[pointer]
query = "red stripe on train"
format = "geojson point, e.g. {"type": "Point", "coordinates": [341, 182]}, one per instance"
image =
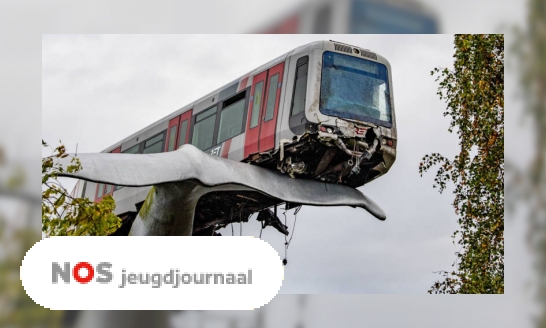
{"type": "Point", "coordinates": [243, 83]}
{"type": "Point", "coordinates": [225, 149]}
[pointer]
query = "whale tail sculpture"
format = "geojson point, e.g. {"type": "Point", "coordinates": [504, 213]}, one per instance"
{"type": "Point", "coordinates": [194, 193]}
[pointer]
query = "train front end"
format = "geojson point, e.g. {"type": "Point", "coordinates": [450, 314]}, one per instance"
{"type": "Point", "coordinates": [351, 116]}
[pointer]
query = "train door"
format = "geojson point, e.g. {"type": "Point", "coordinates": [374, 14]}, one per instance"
{"type": "Point", "coordinates": [184, 130]}
{"type": "Point", "coordinates": [178, 131]}
{"type": "Point", "coordinates": [172, 134]}
{"type": "Point", "coordinates": [255, 113]}
{"type": "Point", "coordinates": [271, 108]}
{"type": "Point", "coordinates": [263, 110]}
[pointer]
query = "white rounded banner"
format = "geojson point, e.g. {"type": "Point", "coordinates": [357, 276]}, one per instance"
{"type": "Point", "coordinates": [152, 273]}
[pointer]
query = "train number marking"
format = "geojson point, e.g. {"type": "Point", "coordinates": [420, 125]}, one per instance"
{"type": "Point", "coordinates": [360, 131]}
{"type": "Point", "coordinates": [216, 151]}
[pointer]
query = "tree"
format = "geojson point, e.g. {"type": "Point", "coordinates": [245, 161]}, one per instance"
{"type": "Point", "coordinates": [527, 182]}
{"type": "Point", "coordinates": [474, 92]}
{"type": "Point", "coordinates": [64, 215]}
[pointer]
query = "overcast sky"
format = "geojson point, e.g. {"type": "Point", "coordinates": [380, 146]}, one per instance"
{"type": "Point", "coordinates": [23, 25]}
{"type": "Point", "coordinates": [98, 89]}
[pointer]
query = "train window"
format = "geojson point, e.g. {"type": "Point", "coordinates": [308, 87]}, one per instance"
{"type": "Point", "coordinates": [132, 150]}
{"type": "Point", "coordinates": [389, 17]}
{"type": "Point", "coordinates": [271, 97]}
{"type": "Point", "coordinates": [256, 105]}
{"type": "Point", "coordinates": [231, 120]}
{"type": "Point", "coordinates": [205, 114]}
{"type": "Point", "coordinates": [342, 77]}
{"type": "Point", "coordinates": [108, 189]}
{"type": "Point", "coordinates": [100, 190]}
{"type": "Point", "coordinates": [172, 138]}
{"type": "Point", "coordinates": [154, 144]}
{"type": "Point", "coordinates": [203, 129]}
{"type": "Point", "coordinates": [84, 189]}
{"type": "Point", "coordinates": [300, 87]}
{"type": "Point", "coordinates": [183, 133]}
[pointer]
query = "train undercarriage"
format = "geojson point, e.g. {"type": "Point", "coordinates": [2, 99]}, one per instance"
{"type": "Point", "coordinates": [323, 153]}
{"type": "Point", "coordinates": [328, 154]}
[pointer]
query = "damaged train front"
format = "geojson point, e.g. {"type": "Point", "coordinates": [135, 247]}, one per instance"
{"type": "Point", "coordinates": [350, 135]}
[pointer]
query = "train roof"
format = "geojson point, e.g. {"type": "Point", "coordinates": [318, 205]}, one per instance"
{"type": "Point", "coordinates": [315, 44]}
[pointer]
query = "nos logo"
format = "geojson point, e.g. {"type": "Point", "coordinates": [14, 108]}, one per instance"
{"type": "Point", "coordinates": [83, 272]}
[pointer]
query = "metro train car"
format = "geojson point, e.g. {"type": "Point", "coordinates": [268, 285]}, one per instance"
{"type": "Point", "coordinates": [356, 17]}
{"type": "Point", "coordinates": [322, 111]}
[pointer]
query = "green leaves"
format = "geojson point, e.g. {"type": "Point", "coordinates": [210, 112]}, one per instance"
{"type": "Point", "coordinates": [64, 215]}
{"type": "Point", "coordinates": [526, 182]}
{"type": "Point", "coordinates": [474, 93]}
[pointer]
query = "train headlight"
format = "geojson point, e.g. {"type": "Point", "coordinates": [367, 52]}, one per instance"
{"type": "Point", "coordinates": [387, 142]}
{"type": "Point", "coordinates": [325, 129]}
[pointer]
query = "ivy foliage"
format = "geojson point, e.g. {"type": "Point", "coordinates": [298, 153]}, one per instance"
{"type": "Point", "coordinates": [474, 93]}
{"type": "Point", "coordinates": [64, 215]}
{"type": "Point", "coordinates": [527, 183]}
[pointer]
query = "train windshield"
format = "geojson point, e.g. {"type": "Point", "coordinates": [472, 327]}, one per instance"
{"type": "Point", "coordinates": [355, 88]}
{"type": "Point", "coordinates": [371, 16]}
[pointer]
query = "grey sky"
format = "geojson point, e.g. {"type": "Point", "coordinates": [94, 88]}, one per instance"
{"type": "Point", "coordinates": [98, 89]}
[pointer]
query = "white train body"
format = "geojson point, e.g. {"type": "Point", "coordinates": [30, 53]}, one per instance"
{"type": "Point", "coordinates": [323, 111]}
